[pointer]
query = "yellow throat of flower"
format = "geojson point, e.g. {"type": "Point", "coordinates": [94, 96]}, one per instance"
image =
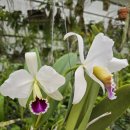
{"type": "Point", "coordinates": [36, 91]}
{"type": "Point", "coordinates": [102, 74]}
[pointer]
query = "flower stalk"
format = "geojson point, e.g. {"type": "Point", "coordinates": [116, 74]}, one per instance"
{"type": "Point", "coordinates": [37, 121]}
{"type": "Point", "coordinates": [92, 95]}
{"type": "Point", "coordinates": [77, 110]}
{"type": "Point", "coordinates": [74, 115]}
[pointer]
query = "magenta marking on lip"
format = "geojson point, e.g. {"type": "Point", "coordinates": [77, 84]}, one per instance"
{"type": "Point", "coordinates": [39, 106]}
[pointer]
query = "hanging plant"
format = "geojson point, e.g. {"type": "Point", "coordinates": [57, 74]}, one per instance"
{"type": "Point", "coordinates": [123, 13]}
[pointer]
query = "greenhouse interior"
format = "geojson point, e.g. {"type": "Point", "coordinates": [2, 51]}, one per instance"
{"type": "Point", "coordinates": [64, 65]}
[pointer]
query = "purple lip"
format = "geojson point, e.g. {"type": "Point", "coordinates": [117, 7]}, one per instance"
{"type": "Point", "coordinates": [39, 106]}
{"type": "Point", "coordinates": [111, 91]}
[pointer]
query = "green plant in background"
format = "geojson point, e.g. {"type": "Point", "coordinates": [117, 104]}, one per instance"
{"type": "Point", "coordinates": [99, 65]}
{"type": "Point", "coordinates": [34, 31]}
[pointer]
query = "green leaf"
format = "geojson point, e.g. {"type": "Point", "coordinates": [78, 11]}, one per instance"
{"type": "Point", "coordinates": [15, 127]}
{"type": "Point", "coordinates": [80, 113]}
{"type": "Point", "coordinates": [1, 108]}
{"type": "Point", "coordinates": [95, 29]}
{"type": "Point", "coordinates": [89, 104]}
{"type": "Point", "coordinates": [65, 62]}
{"type": "Point", "coordinates": [74, 115]}
{"type": "Point", "coordinates": [116, 107]}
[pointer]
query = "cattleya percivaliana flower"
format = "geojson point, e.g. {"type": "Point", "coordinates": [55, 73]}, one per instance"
{"type": "Point", "coordinates": [22, 83]}
{"type": "Point", "coordinates": [99, 65]}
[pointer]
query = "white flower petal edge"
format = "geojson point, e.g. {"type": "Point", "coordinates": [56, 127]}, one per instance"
{"type": "Point", "coordinates": [100, 52]}
{"type": "Point", "coordinates": [80, 85]}
{"type": "Point", "coordinates": [117, 64]}
{"type": "Point", "coordinates": [99, 82]}
{"type": "Point", "coordinates": [32, 63]}
{"type": "Point", "coordinates": [23, 101]}
{"type": "Point", "coordinates": [56, 95]}
{"type": "Point", "coordinates": [80, 44]}
{"type": "Point", "coordinates": [49, 79]}
{"type": "Point", "coordinates": [18, 85]}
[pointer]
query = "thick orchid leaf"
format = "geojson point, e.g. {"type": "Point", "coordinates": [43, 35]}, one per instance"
{"type": "Point", "coordinates": [88, 106]}
{"type": "Point", "coordinates": [116, 107]}
{"type": "Point", "coordinates": [62, 65]}
{"type": "Point", "coordinates": [78, 111]}
{"type": "Point", "coordinates": [65, 62]}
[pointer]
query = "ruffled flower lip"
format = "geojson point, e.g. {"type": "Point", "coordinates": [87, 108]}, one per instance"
{"type": "Point", "coordinates": [111, 90]}
{"type": "Point", "coordinates": [39, 106]}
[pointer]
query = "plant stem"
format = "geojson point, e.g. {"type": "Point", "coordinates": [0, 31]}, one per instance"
{"type": "Point", "coordinates": [38, 119]}
{"type": "Point", "coordinates": [76, 110]}
{"type": "Point", "coordinates": [91, 100]}
{"type": "Point", "coordinates": [21, 112]}
{"type": "Point", "coordinates": [74, 114]}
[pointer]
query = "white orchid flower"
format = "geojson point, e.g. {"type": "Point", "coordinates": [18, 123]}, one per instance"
{"type": "Point", "coordinates": [22, 83]}
{"type": "Point", "coordinates": [99, 64]}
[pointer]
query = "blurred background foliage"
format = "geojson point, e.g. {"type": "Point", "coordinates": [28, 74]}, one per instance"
{"type": "Point", "coordinates": [43, 30]}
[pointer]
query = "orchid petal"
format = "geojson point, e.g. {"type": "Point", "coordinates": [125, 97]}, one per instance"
{"type": "Point", "coordinates": [56, 95]}
{"type": "Point", "coordinates": [117, 64]}
{"type": "Point", "coordinates": [95, 79]}
{"type": "Point", "coordinates": [23, 101]}
{"type": "Point", "coordinates": [111, 91]}
{"type": "Point", "coordinates": [100, 52]}
{"type": "Point", "coordinates": [18, 85]}
{"type": "Point", "coordinates": [99, 82]}
{"type": "Point", "coordinates": [49, 79]}
{"type": "Point", "coordinates": [32, 63]}
{"type": "Point", "coordinates": [80, 44]}
{"type": "Point", "coordinates": [80, 85]}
